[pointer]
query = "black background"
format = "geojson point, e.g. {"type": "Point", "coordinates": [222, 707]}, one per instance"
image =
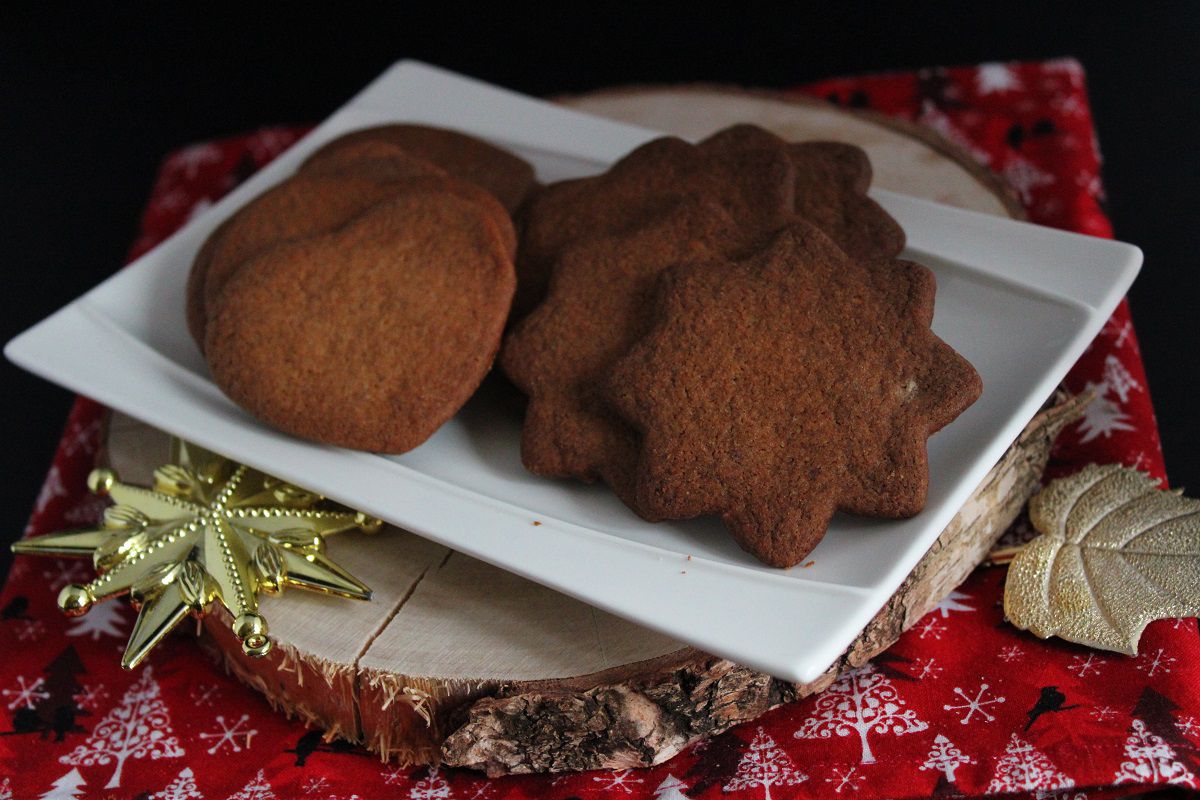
{"type": "Point", "coordinates": [94, 95]}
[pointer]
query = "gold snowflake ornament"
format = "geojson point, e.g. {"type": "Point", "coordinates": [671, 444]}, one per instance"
{"type": "Point", "coordinates": [210, 529]}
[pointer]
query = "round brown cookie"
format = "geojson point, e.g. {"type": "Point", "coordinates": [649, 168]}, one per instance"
{"type": "Point", "coordinates": [755, 186]}
{"type": "Point", "coordinates": [777, 389]}
{"type": "Point", "coordinates": [599, 304]}
{"type": "Point", "coordinates": [385, 162]}
{"type": "Point", "coordinates": [508, 177]}
{"type": "Point", "coordinates": [374, 159]}
{"type": "Point", "coordinates": [194, 307]}
{"type": "Point", "coordinates": [370, 336]}
{"type": "Point", "coordinates": [299, 207]}
{"type": "Point", "coordinates": [832, 179]}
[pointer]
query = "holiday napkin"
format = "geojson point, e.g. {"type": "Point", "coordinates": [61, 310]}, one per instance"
{"type": "Point", "coordinates": [962, 705]}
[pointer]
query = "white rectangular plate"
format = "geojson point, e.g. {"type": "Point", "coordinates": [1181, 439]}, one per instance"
{"type": "Point", "coordinates": [1020, 301]}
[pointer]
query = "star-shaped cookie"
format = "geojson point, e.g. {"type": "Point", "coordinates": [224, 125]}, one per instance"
{"type": "Point", "coordinates": [780, 388]}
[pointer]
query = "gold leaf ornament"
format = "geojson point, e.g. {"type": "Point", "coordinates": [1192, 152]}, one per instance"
{"type": "Point", "coordinates": [209, 529]}
{"type": "Point", "coordinates": [1116, 553]}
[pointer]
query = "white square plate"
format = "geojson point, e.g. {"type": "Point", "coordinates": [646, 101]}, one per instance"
{"type": "Point", "coordinates": [1020, 301]}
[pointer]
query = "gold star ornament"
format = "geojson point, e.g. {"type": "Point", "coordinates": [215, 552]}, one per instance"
{"type": "Point", "coordinates": [209, 529]}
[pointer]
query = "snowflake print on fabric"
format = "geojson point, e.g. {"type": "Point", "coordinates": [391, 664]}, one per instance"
{"type": "Point", "coordinates": [1086, 665]}
{"type": "Point", "coordinates": [945, 757]}
{"type": "Point", "coordinates": [927, 668]}
{"type": "Point", "coordinates": [394, 775]}
{"type": "Point", "coordinates": [25, 694]}
{"type": "Point", "coordinates": [622, 779]}
{"type": "Point", "coordinates": [1023, 768]}
{"type": "Point", "coordinates": [951, 603]}
{"type": "Point", "coordinates": [862, 701]}
{"type": "Point", "coordinates": [994, 77]}
{"type": "Point", "coordinates": [432, 787]}
{"type": "Point", "coordinates": [931, 628]}
{"type": "Point", "coordinates": [236, 735]}
{"type": "Point", "coordinates": [91, 696]}
{"type": "Point", "coordinates": [140, 727]}
{"type": "Point", "coordinates": [971, 705]}
{"type": "Point", "coordinates": [1104, 713]}
{"type": "Point", "coordinates": [203, 694]}
{"type": "Point", "coordinates": [845, 779]}
{"type": "Point", "coordinates": [29, 630]}
{"type": "Point", "coordinates": [86, 511]}
{"type": "Point", "coordinates": [1157, 663]}
{"type": "Point", "coordinates": [315, 785]}
{"type": "Point", "coordinates": [59, 573]}
{"type": "Point", "coordinates": [82, 439]}
{"type": "Point", "coordinates": [1188, 726]}
{"type": "Point", "coordinates": [267, 143]}
{"type": "Point", "coordinates": [1010, 653]}
{"type": "Point", "coordinates": [1119, 332]}
{"type": "Point", "coordinates": [1151, 760]}
{"type": "Point", "coordinates": [764, 764]}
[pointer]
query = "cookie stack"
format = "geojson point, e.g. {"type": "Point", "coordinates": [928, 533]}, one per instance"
{"type": "Point", "coordinates": [724, 328]}
{"type": "Point", "coordinates": [361, 302]}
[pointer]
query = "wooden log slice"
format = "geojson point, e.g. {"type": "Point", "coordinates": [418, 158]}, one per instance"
{"type": "Point", "coordinates": [459, 662]}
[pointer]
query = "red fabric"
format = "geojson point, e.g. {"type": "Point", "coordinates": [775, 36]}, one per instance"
{"type": "Point", "coordinates": [1049, 718]}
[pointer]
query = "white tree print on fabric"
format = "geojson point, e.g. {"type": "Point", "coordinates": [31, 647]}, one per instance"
{"type": "Point", "coordinates": [946, 758]}
{"type": "Point", "coordinates": [192, 158]}
{"type": "Point", "coordinates": [1024, 177]}
{"type": "Point", "coordinates": [935, 118]}
{"type": "Point", "coordinates": [103, 619]}
{"type": "Point", "coordinates": [51, 489]}
{"type": "Point", "coordinates": [1101, 417]}
{"type": "Point", "coordinates": [432, 787]}
{"type": "Point", "coordinates": [182, 788]}
{"type": "Point", "coordinates": [671, 789]}
{"type": "Point", "coordinates": [764, 764]}
{"type": "Point", "coordinates": [139, 727]}
{"type": "Point", "coordinates": [6, 789]}
{"type": "Point", "coordinates": [1118, 379]}
{"type": "Point", "coordinates": [256, 789]}
{"type": "Point", "coordinates": [971, 705]}
{"type": "Point", "coordinates": [1151, 760]}
{"type": "Point", "coordinates": [861, 701]}
{"type": "Point", "coordinates": [995, 77]}
{"type": "Point", "coordinates": [1023, 768]}
{"type": "Point", "coordinates": [68, 787]}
